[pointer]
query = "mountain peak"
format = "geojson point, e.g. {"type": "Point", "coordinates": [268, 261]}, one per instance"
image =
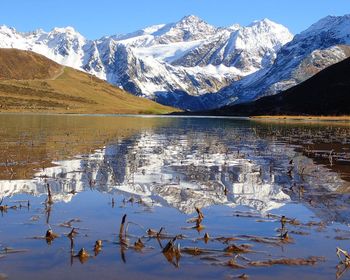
{"type": "Point", "coordinates": [5, 28]}
{"type": "Point", "coordinates": [267, 21]}
{"type": "Point", "coordinates": [67, 29]}
{"type": "Point", "coordinates": [189, 28]}
{"type": "Point", "coordinates": [339, 23]}
{"type": "Point", "coordinates": [191, 19]}
{"type": "Point", "coordinates": [234, 27]}
{"type": "Point", "coordinates": [66, 32]}
{"type": "Point", "coordinates": [264, 22]}
{"type": "Point", "coordinates": [192, 22]}
{"type": "Point", "coordinates": [267, 26]}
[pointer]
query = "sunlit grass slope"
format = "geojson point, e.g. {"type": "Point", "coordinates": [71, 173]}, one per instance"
{"type": "Point", "coordinates": [30, 82]}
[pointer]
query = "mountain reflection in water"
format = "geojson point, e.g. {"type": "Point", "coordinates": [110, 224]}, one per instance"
{"type": "Point", "coordinates": [187, 167]}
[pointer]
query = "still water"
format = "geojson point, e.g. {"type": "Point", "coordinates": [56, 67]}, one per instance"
{"type": "Point", "coordinates": [61, 172]}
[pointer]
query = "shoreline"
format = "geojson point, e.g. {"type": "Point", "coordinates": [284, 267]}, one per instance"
{"type": "Point", "coordinates": [344, 118]}
{"type": "Point", "coordinates": [124, 115]}
{"type": "Point", "coordinates": [276, 118]}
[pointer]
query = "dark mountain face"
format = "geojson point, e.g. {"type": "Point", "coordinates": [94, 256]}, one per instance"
{"type": "Point", "coordinates": [326, 93]}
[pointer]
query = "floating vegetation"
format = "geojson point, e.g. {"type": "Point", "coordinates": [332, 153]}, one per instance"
{"type": "Point", "coordinates": [8, 250]}
{"type": "Point", "coordinates": [197, 220]}
{"type": "Point", "coordinates": [299, 261]}
{"type": "Point", "coordinates": [195, 251]}
{"type": "Point", "coordinates": [50, 236]}
{"type": "Point", "coordinates": [233, 264]}
{"type": "Point", "coordinates": [97, 247]}
{"type": "Point", "coordinates": [344, 262]}
{"type": "Point", "coordinates": [172, 252]}
{"type": "Point", "coordinates": [18, 205]}
{"type": "Point", "coordinates": [69, 224]}
{"type": "Point", "coordinates": [83, 255]}
{"type": "Point", "coordinates": [139, 245]}
{"type": "Point", "coordinates": [238, 249]}
{"type": "Point", "coordinates": [72, 233]}
{"type": "Point", "coordinates": [343, 256]}
{"type": "Point", "coordinates": [241, 276]}
{"type": "Point", "coordinates": [122, 225]}
{"type": "Point", "coordinates": [206, 237]}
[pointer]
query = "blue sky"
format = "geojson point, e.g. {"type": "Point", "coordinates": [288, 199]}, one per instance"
{"type": "Point", "coordinates": [106, 17]}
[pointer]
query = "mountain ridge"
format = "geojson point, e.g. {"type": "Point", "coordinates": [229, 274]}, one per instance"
{"type": "Point", "coordinates": [193, 65]}
{"type": "Point", "coordinates": [330, 34]}
{"type": "Point", "coordinates": [188, 56]}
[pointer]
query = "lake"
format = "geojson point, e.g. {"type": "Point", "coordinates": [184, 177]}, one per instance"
{"type": "Point", "coordinates": [204, 198]}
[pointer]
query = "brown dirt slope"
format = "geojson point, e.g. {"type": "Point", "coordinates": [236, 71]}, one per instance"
{"type": "Point", "coordinates": [33, 83]}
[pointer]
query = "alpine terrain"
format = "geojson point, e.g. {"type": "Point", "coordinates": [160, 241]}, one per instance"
{"type": "Point", "coordinates": [171, 63]}
{"type": "Point", "coordinates": [323, 44]}
{"type": "Point", "coordinates": [326, 93]}
{"type": "Point", "coordinates": [193, 65]}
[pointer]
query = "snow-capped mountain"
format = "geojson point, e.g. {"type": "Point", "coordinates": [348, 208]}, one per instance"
{"type": "Point", "coordinates": [193, 65]}
{"type": "Point", "coordinates": [172, 63]}
{"type": "Point", "coordinates": [63, 45]}
{"type": "Point", "coordinates": [321, 45]}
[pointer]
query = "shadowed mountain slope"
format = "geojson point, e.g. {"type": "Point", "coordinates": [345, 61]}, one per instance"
{"type": "Point", "coordinates": [326, 93]}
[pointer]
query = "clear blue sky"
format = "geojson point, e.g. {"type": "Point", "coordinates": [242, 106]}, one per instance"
{"type": "Point", "coordinates": [106, 17]}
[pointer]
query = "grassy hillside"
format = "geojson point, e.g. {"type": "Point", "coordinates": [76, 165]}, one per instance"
{"type": "Point", "coordinates": [327, 93]}
{"type": "Point", "coordinates": [30, 82]}
{"type": "Point", "coordinates": [25, 65]}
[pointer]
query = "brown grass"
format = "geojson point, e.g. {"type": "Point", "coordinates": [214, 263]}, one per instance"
{"type": "Point", "coordinates": [26, 65]}
{"type": "Point", "coordinates": [302, 118]}
{"type": "Point", "coordinates": [32, 83]}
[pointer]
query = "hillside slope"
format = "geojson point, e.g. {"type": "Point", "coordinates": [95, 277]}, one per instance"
{"type": "Point", "coordinates": [31, 82]}
{"type": "Point", "coordinates": [326, 93]}
{"type": "Point", "coordinates": [26, 65]}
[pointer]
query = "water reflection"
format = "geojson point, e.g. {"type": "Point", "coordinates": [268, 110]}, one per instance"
{"type": "Point", "coordinates": [185, 166]}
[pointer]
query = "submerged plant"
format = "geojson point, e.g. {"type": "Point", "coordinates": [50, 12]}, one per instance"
{"type": "Point", "coordinates": [83, 255]}
{"type": "Point", "coordinates": [139, 244]}
{"type": "Point", "coordinates": [72, 233]}
{"type": "Point", "coordinates": [50, 236]}
{"type": "Point", "coordinates": [238, 249]}
{"type": "Point", "coordinates": [97, 247]}
{"type": "Point", "coordinates": [122, 225]}
{"type": "Point", "coordinates": [343, 256]}
{"type": "Point", "coordinates": [233, 264]}
{"type": "Point", "coordinates": [206, 237]}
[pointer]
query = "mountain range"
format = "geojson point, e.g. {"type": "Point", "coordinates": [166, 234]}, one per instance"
{"type": "Point", "coordinates": [193, 65]}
